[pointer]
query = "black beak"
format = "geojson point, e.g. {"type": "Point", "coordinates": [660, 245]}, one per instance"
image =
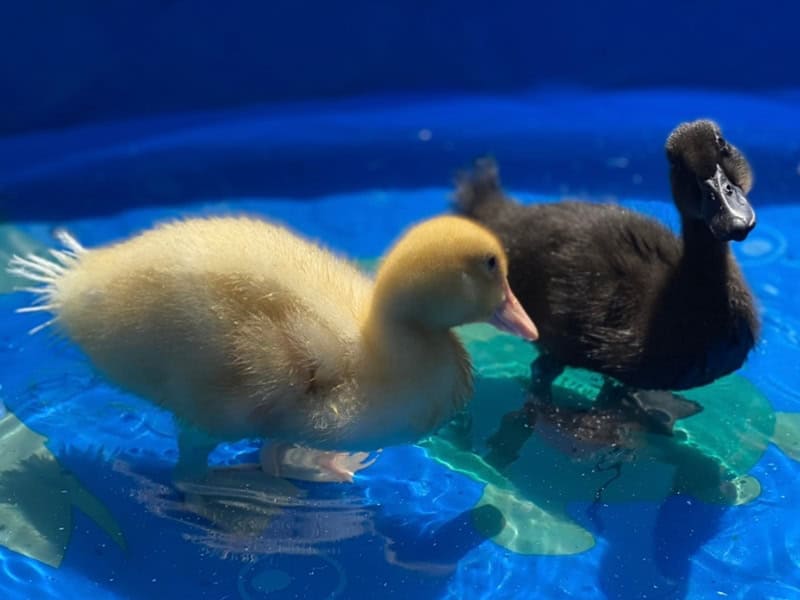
{"type": "Point", "coordinates": [726, 210]}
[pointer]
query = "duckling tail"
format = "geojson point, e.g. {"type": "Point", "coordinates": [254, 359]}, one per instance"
{"type": "Point", "coordinates": [45, 273]}
{"type": "Point", "coordinates": [476, 190]}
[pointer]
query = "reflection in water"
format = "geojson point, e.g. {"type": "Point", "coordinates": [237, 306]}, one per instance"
{"type": "Point", "coordinates": [565, 487]}
{"type": "Point", "coordinates": [606, 429]}
{"type": "Point", "coordinates": [559, 466]}
{"type": "Point", "coordinates": [437, 550]}
{"type": "Point", "coordinates": [245, 513]}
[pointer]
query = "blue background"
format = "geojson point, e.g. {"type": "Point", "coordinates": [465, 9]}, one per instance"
{"type": "Point", "coordinates": [63, 63]}
{"type": "Point", "coordinates": [112, 105]}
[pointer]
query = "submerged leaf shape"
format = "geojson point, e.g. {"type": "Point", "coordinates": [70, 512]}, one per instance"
{"type": "Point", "coordinates": [37, 495]}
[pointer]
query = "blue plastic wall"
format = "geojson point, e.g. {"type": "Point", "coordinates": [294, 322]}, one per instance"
{"type": "Point", "coordinates": [114, 104]}
{"type": "Point", "coordinates": [66, 62]}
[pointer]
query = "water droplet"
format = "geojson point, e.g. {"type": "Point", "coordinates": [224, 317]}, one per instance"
{"type": "Point", "coordinates": [757, 247]}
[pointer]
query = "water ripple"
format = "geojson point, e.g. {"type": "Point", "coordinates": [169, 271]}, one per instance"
{"type": "Point", "coordinates": [763, 246]}
{"type": "Point", "coordinates": [312, 576]}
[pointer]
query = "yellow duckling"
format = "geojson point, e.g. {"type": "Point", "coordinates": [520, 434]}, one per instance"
{"type": "Point", "coordinates": [242, 329]}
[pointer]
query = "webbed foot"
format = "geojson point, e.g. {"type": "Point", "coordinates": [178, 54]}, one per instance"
{"type": "Point", "coordinates": [306, 464]}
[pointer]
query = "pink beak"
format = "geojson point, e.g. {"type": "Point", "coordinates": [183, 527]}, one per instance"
{"type": "Point", "coordinates": [512, 318]}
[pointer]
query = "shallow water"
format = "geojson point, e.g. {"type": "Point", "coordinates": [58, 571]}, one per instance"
{"type": "Point", "coordinates": [710, 513]}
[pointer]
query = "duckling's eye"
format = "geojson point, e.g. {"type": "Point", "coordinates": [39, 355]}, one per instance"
{"type": "Point", "coordinates": [491, 263]}
{"type": "Point", "coordinates": [722, 144]}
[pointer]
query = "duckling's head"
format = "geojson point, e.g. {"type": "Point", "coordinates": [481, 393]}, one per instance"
{"type": "Point", "coordinates": [445, 272]}
{"type": "Point", "coordinates": [710, 179]}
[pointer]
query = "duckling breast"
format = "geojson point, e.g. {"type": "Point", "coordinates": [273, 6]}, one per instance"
{"type": "Point", "coordinates": [411, 391]}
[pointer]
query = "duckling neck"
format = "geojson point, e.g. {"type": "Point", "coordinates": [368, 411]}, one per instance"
{"type": "Point", "coordinates": [427, 364]}
{"type": "Point", "coordinates": [394, 339]}
{"type": "Point", "coordinates": [396, 348]}
{"type": "Point", "coordinates": [701, 250]}
{"type": "Point", "coordinates": [411, 382]}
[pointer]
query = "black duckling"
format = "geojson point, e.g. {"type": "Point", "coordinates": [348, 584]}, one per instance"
{"type": "Point", "coordinates": [617, 292]}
